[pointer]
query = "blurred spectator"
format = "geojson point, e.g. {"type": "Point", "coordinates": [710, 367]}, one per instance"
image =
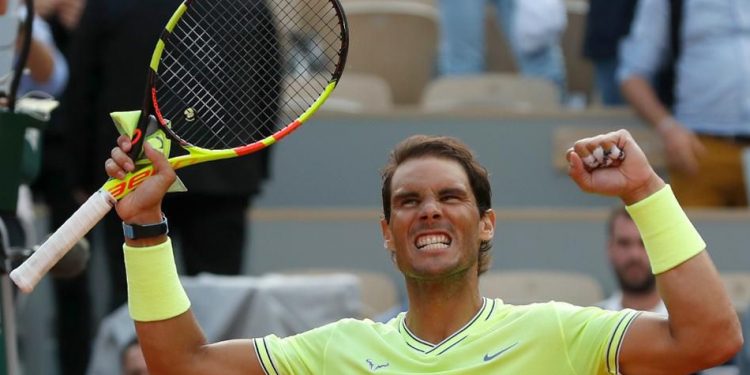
{"type": "Point", "coordinates": [629, 261]}
{"type": "Point", "coordinates": [46, 77]}
{"type": "Point", "coordinates": [133, 362]}
{"type": "Point", "coordinates": [47, 67]}
{"type": "Point", "coordinates": [607, 22]}
{"type": "Point", "coordinates": [48, 74]}
{"type": "Point", "coordinates": [536, 49]}
{"type": "Point", "coordinates": [73, 330]}
{"type": "Point", "coordinates": [66, 12]}
{"type": "Point", "coordinates": [709, 126]}
{"type": "Point", "coordinates": [73, 323]}
{"type": "Point", "coordinates": [109, 58]}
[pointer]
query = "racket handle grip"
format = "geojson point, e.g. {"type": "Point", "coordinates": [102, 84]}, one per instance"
{"type": "Point", "coordinates": [31, 271]}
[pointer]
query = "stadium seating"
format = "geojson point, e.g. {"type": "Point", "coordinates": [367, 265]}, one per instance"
{"type": "Point", "coordinates": [358, 93]}
{"type": "Point", "coordinates": [578, 70]}
{"type": "Point", "coordinates": [379, 292]}
{"type": "Point", "coordinates": [738, 287]}
{"type": "Point", "coordinates": [493, 90]}
{"type": "Point", "coordinates": [396, 40]}
{"type": "Point", "coordinates": [521, 287]}
{"type": "Point", "coordinates": [580, 76]}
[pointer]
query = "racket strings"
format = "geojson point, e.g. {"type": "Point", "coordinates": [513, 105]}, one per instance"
{"type": "Point", "coordinates": [314, 45]}
{"type": "Point", "coordinates": [263, 116]}
{"type": "Point", "coordinates": [241, 134]}
{"type": "Point", "coordinates": [210, 73]}
{"type": "Point", "coordinates": [232, 71]}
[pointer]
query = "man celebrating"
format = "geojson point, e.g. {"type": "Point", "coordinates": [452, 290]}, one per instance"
{"type": "Point", "coordinates": [438, 225]}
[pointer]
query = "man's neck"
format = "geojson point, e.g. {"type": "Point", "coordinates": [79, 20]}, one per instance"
{"type": "Point", "coordinates": [640, 301]}
{"type": "Point", "coordinates": [439, 309]}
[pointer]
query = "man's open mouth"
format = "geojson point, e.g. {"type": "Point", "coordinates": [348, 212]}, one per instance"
{"type": "Point", "coordinates": [432, 241]}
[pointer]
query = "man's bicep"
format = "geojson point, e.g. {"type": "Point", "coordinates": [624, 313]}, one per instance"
{"type": "Point", "coordinates": [648, 347]}
{"type": "Point", "coordinates": [232, 357]}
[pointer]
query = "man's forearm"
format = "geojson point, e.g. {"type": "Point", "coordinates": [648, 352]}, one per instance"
{"type": "Point", "coordinates": [644, 100]}
{"type": "Point", "coordinates": [701, 315]}
{"type": "Point", "coordinates": [159, 306]}
{"type": "Point", "coordinates": [41, 64]}
{"type": "Point", "coordinates": [171, 346]}
{"type": "Point", "coordinates": [702, 320]}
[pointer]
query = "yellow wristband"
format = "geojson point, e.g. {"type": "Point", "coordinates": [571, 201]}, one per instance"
{"type": "Point", "coordinates": [669, 236]}
{"type": "Point", "coordinates": [154, 289]}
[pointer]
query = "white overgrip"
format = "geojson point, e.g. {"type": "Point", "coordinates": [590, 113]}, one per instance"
{"type": "Point", "coordinates": [31, 271]}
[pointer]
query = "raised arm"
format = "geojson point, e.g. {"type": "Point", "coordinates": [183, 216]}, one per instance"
{"type": "Point", "coordinates": [170, 337]}
{"type": "Point", "coordinates": [702, 329]}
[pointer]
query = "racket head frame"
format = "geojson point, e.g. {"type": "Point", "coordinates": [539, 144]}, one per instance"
{"type": "Point", "coordinates": [151, 106]}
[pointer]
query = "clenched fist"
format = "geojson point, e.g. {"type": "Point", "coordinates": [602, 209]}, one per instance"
{"type": "Point", "coordinates": [612, 164]}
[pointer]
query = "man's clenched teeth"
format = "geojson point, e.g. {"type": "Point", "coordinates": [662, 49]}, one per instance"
{"type": "Point", "coordinates": [432, 241]}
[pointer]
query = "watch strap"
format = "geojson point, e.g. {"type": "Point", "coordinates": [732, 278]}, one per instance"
{"type": "Point", "coordinates": [138, 231]}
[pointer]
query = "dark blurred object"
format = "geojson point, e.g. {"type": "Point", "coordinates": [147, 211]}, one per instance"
{"type": "Point", "coordinates": [23, 55]}
{"type": "Point", "coordinates": [607, 22]}
{"type": "Point", "coordinates": [103, 80]}
{"type": "Point", "coordinates": [8, 33]}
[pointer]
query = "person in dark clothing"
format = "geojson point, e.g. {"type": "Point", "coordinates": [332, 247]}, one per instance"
{"type": "Point", "coordinates": [109, 60]}
{"type": "Point", "coordinates": [607, 22]}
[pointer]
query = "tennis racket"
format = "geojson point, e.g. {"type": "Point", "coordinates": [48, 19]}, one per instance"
{"type": "Point", "coordinates": [227, 78]}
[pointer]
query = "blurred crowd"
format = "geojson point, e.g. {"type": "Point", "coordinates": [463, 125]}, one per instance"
{"type": "Point", "coordinates": [682, 66]}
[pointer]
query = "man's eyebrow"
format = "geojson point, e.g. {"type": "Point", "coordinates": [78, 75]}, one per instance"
{"type": "Point", "coordinates": [404, 194]}
{"type": "Point", "coordinates": [453, 191]}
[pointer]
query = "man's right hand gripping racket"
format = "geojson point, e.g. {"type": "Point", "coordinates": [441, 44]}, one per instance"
{"type": "Point", "coordinates": [227, 78]}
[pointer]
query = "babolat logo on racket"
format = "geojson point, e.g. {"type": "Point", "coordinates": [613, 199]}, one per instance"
{"type": "Point", "coordinates": [189, 114]}
{"type": "Point", "coordinates": [123, 187]}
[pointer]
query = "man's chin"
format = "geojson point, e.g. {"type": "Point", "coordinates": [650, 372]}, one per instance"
{"type": "Point", "coordinates": [642, 287]}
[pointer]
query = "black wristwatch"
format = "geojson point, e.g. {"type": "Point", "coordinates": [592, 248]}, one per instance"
{"type": "Point", "coordinates": [135, 231]}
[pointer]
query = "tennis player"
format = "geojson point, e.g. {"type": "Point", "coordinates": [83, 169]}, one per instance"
{"type": "Point", "coordinates": [438, 225]}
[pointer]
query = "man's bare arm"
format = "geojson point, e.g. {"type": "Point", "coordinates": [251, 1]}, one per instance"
{"type": "Point", "coordinates": [682, 147]}
{"type": "Point", "coordinates": [642, 97]}
{"type": "Point", "coordinates": [702, 329]}
{"type": "Point", "coordinates": [175, 345]}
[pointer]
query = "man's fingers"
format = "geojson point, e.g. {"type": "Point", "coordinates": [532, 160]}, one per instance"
{"type": "Point", "coordinates": [113, 169]}
{"type": "Point", "coordinates": [122, 159]}
{"type": "Point", "coordinates": [616, 154]}
{"type": "Point", "coordinates": [160, 162]}
{"type": "Point", "coordinates": [582, 150]}
{"type": "Point", "coordinates": [123, 142]}
{"type": "Point", "coordinates": [156, 157]}
{"type": "Point", "coordinates": [610, 154]}
{"type": "Point", "coordinates": [600, 151]}
{"type": "Point", "coordinates": [577, 171]}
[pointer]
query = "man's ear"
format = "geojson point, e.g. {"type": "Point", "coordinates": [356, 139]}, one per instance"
{"type": "Point", "coordinates": [388, 240]}
{"type": "Point", "coordinates": [487, 225]}
{"type": "Point", "coordinates": [387, 237]}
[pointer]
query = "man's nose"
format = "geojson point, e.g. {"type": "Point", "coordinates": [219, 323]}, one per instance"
{"type": "Point", "coordinates": [430, 210]}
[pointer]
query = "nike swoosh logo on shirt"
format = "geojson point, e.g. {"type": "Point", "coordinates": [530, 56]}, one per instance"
{"type": "Point", "coordinates": [488, 357]}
